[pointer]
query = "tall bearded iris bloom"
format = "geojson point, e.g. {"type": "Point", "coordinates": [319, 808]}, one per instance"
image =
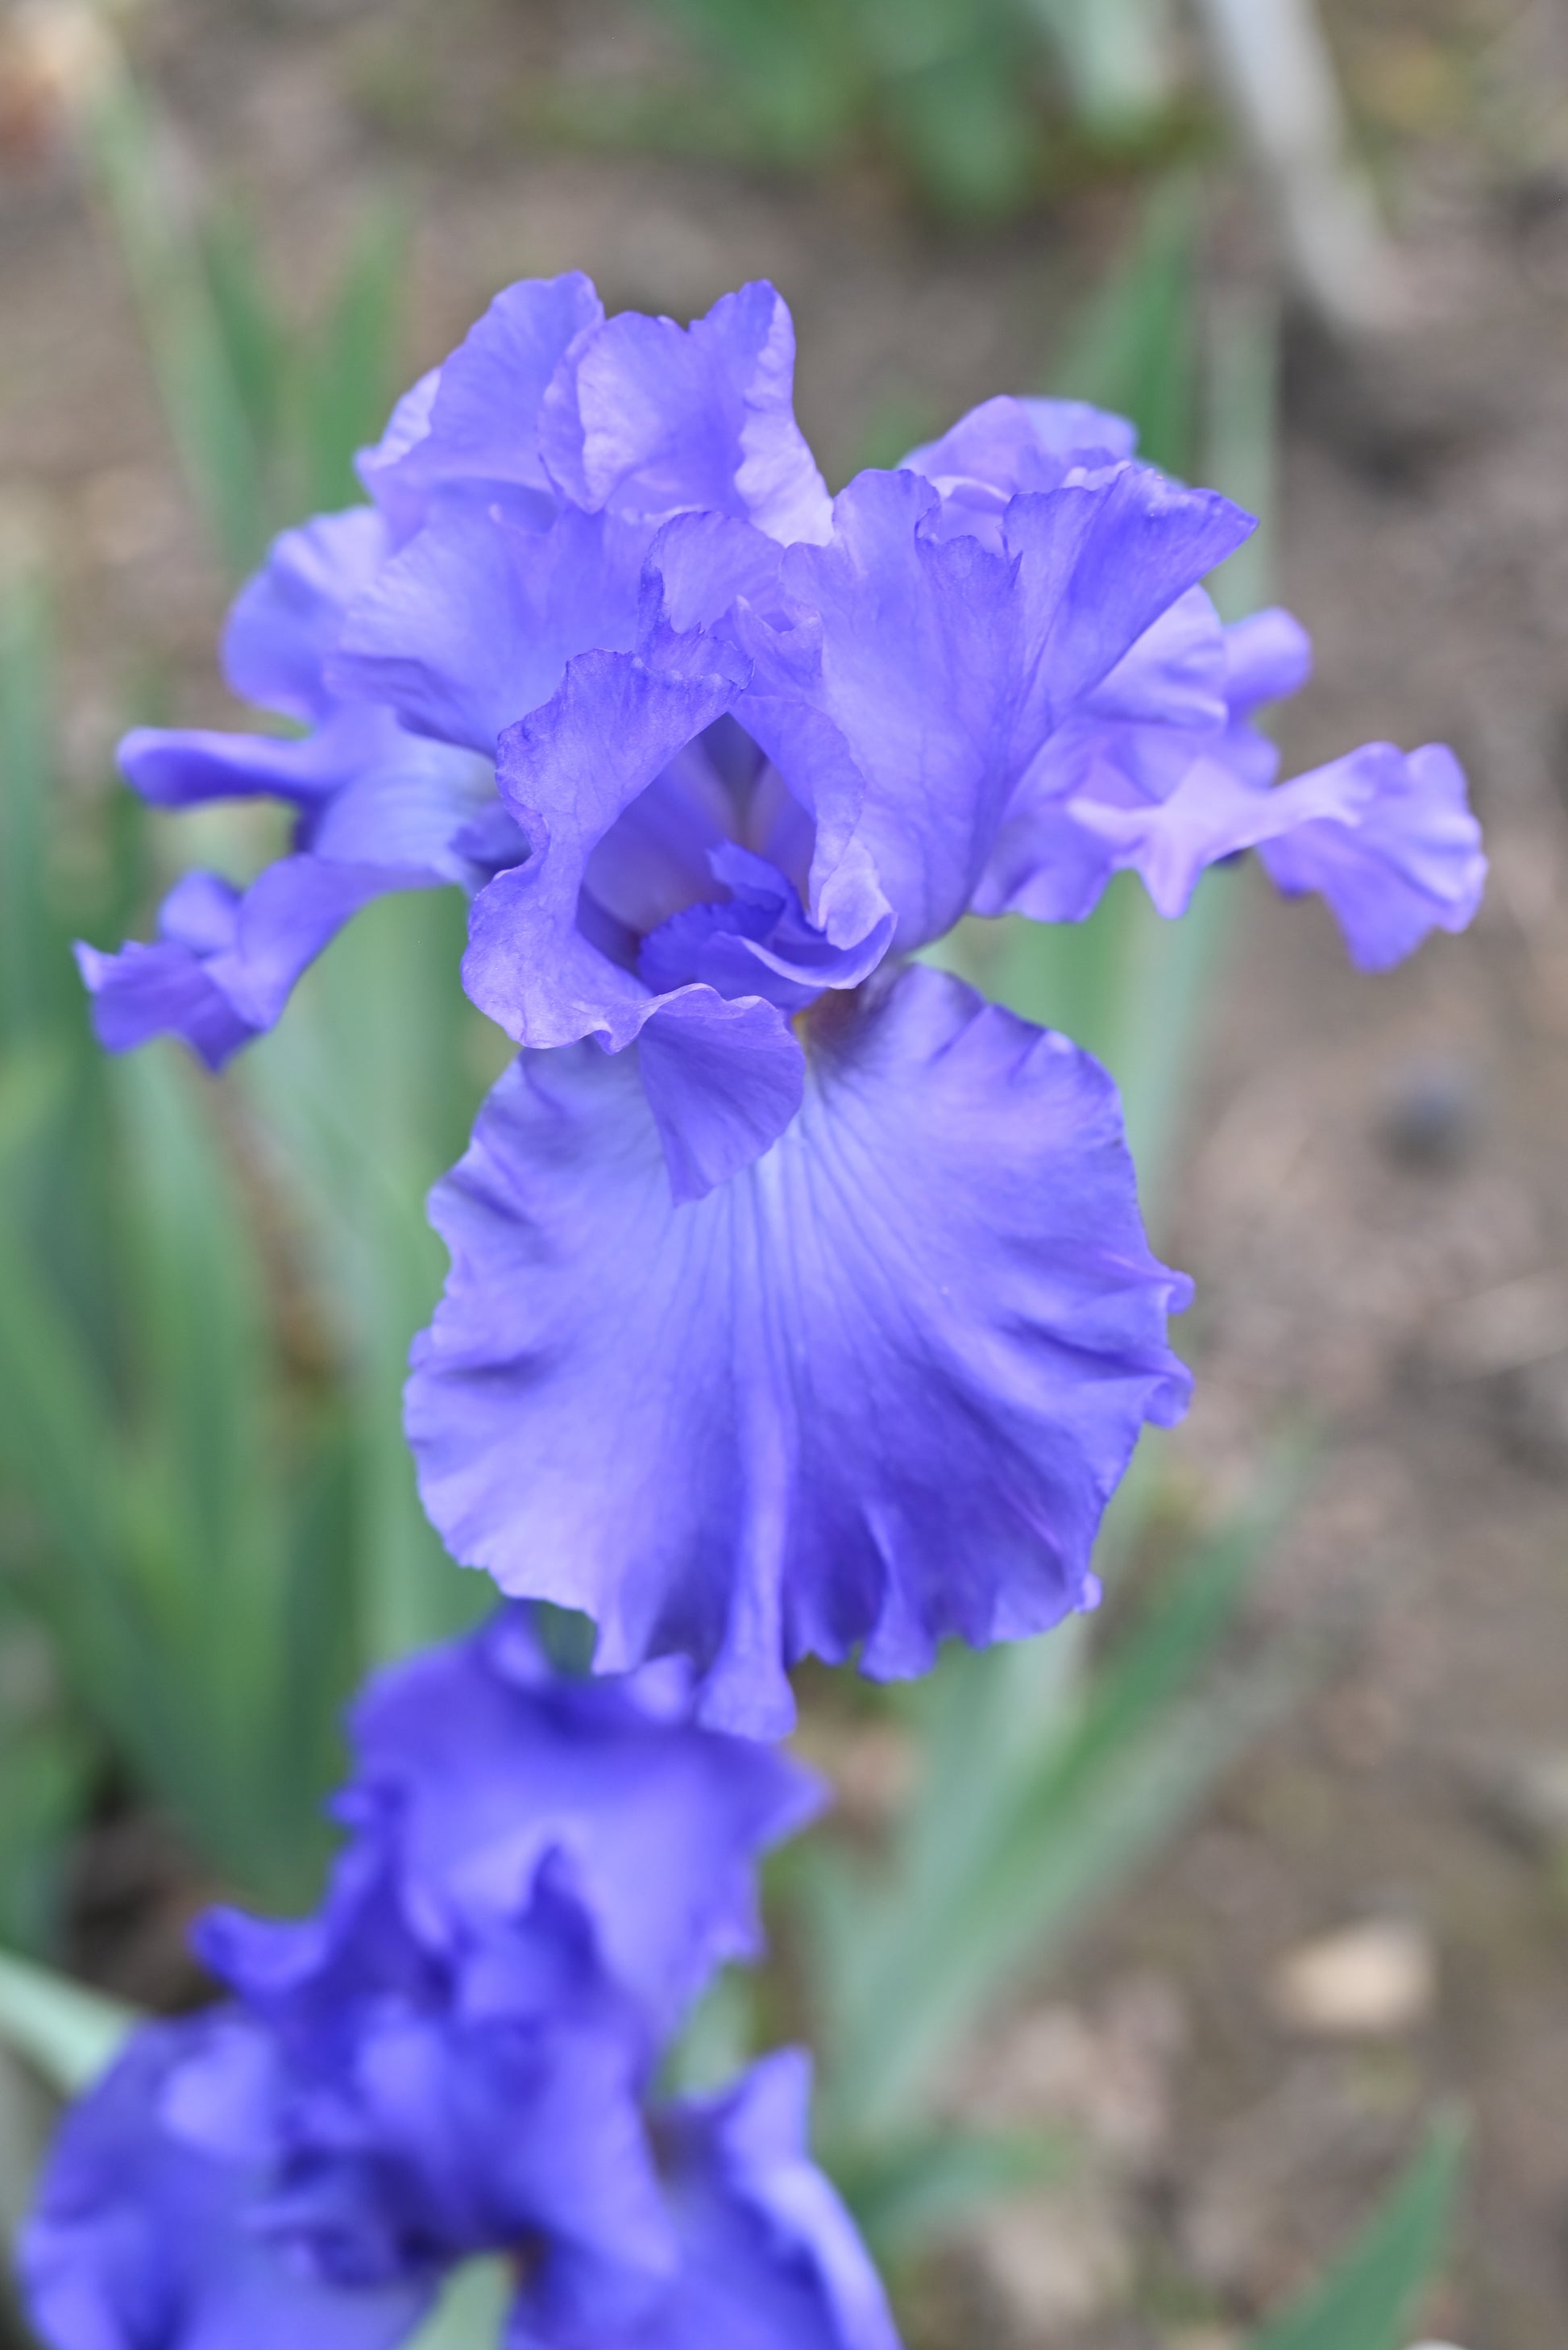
{"type": "Point", "coordinates": [453, 2057]}
{"type": "Point", "coordinates": [799, 1300]}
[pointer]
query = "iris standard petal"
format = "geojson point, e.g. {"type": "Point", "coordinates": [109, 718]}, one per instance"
{"type": "Point", "coordinates": [285, 621]}
{"type": "Point", "coordinates": [922, 676]}
{"type": "Point", "coordinates": [1005, 447]}
{"type": "Point", "coordinates": [471, 427]}
{"type": "Point", "coordinates": [874, 1389]}
{"type": "Point", "coordinates": [471, 626]}
{"type": "Point", "coordinates": [445, 2091]}
{"type": "Point", "coordinates": [649, 418]}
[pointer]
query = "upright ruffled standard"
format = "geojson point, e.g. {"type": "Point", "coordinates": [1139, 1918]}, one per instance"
{"type": "Point", "coordinates": [799, 1303]}
{"type": "Point", "coordinates": [453, 2058]}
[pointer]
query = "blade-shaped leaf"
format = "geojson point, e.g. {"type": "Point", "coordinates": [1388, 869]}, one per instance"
{"type": "Point", "coordinates": [68, 2032]}
{"type": "Point", "coordinates": [904, 2195]}
{"type": "Point", "coordinates": [907, 1966]}
{"type": "Point", "coordinates": [1369, 2297]}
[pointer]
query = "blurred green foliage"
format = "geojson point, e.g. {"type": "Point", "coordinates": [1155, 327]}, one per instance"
{"type": "Point", "coordinates": [983, 105]}
{"type": "Point", "coordinates": [209, 1287]}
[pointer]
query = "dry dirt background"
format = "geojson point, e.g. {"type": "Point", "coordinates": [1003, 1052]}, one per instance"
{"type": "Point", "coordinates": [1373, 1205]}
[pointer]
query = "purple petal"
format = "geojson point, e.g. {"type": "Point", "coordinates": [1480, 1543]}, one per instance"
{"type": "Point", "coordinates": [219, 990]}
{"type": "Point", "coordinates": [181, 766]}
{"type": "Point", "coordinates": [472, 424]}
{"type": "Point", "coordinates": [647, 418]}
{"type": "Point", "coordinates": [723, 1081]}
{"type": "Point", "coordinates": [1007, 447]}
{"type": "Point", "coordinates": [286, 622]}
{"type": "Point", "coordinates": [568, 774]}
{"type": "Point", "coordinates": [723, 1078]}
{"type": "Point", "coordinates": [770, 2258]}
{"type": "Point", "coordinates": [471, 2092]}
{"type": "Point", "coordinates": [471, 625]}
{"type": "Point", "coordinates": [1268, 657]}
{"type": "Point", "coordinates": [1402, 858]}
{"type": "Point", "coordinates": [878, 1388]}
{"type": "Point", "coordinates": [925, 676]}
{"type": "Point", "coordinates": [161, 991]}
{"type": "Point", "coordinates": [1178, 707]}
{"type": "Point", "coordinates": [488, 1761]}
{"type": "Point", "coordinates": [1176, 675]}
{"type": "Point", "coordinates": [143, 2236]}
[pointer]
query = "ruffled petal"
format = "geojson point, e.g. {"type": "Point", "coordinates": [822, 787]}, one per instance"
{"type": "Point", "coordinates": [649, 418]}
{"type": "Point", "coordinates": [1401, 857]}
{"type": "Point", "coordinates": [876, 1388]}
{"type": "Point", "coordinates": [566, 774]}
{"type": "Point", "coordinates": [223, 980]}
{"type": "Point", "coordinates": [471, 626]}
{"type": "Point", "coordinates": [922, 677]}
{"type": "Point", "coordinates": [480, 1760]}
{"type": "Point", "coordinates": [1388, 839]}
{"type": "Point", "coordinates": [285, 621]}
{"type": "Point", "coordinates": [1005, 447]}
{"type": "Point", "coordinates": [183, 767]}
{"type": "Point", "coordinates": [1179, 706]}
{"type": "Point", "coordinates": [769, 2258]}
{"type": "Point", "coordinates": [141, 2235]}
{"type": "Point", "coordinates": [472, 426]}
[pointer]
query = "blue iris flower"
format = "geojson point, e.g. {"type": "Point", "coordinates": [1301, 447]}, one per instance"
{"type": "Point", "coordinates": [799, 1300]}
{"type": "Point", "coordinates": [453, 2057]}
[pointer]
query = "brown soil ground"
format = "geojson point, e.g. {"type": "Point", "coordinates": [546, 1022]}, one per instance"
{"type": "Point", "coordinates": [1373, 1204]}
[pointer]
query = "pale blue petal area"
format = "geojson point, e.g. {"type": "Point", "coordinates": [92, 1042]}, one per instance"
{"type": "Point", "coordinates": [1005, 447]}
{"type": "Point", "coordinates": [920, 678]}
{"type": "Point", "coordinates": [421, 811]}
{"type": "Point", "coordinates": [379, 810]}
{"type": "Point", "coordinates": [1387, 837]}
{"type": "Point", "coordinates": [1010, 446]}
{"type": "Point", "coordinates": [377, 465]}
{"type": "Point", "coordinates": [769, 2258]}
{"type": "Point", "coordinates": [471, 626]}
{"type": "Point", "coordinates": [285, 622]}
{"type": "Point", "coordinates": [1176, 675]}
{"type": "Point", "coordinates": [226, 961]}
{"type": "Point", "coordinates": [1402, 858]}
{"type": "Point", "coordinates": [165, 989]}
{"type": "Point", "coordinates": [649, 418]}
{"type": "Point", "coordinates": [874, 1389]}
{"type": "Point", "coordinates": [1268, 657]}
{"type": "Point", "coordinates": [481, 1759]}
{"type": "Point", "coordinates": [700, 562]}
{"type": "Point", "coordinates": [470, 427]}
{"type": "Point", "coordinates": [143, 2239]}
{"type": "Point", "coordinates": [184, 766]}
{"type": "Point", "coordinates": [1185, 696]}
